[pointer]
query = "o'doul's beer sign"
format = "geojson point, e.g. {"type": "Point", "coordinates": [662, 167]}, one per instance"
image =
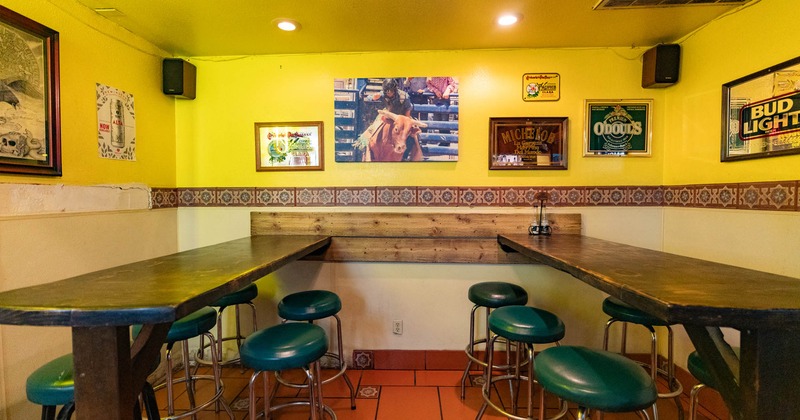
{"type": "Point", "coordinates": [618, 127]}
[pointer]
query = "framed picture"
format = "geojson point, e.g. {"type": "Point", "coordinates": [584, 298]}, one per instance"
{"type": "Point", "coordinates": [528, 143]}
{"type": "Point", "coordinates": [396, 119]}
{"type": "Point", "coordinates": [618, 127]}
{"type": "Point", "coordinates": [30, 127]}
{"type": "Point", "coordinates": [541, 87]}
{"type": "Point", "coordinates": [761, 113]}
{"type": "Point", "coordinates": [289, 146]}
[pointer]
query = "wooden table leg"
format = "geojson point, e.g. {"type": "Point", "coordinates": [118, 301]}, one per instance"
{"type": "Point", "coordinates": [770, 373]}
{"type": "Point", "coordinates": [762, 383]}
{"type": "Point", "coordinates": [109, 372]}
{"type": "Point", "coordinates": [103, 382]}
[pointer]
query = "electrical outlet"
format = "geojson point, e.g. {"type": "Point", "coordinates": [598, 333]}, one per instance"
{"type": "Point", "coordinates": [397, 326]}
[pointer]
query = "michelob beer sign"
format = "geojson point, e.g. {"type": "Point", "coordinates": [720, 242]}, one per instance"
{"type": "Point", "coordinates": [778, 115]}
{"type": "Point", "coordinates": [618, 128]}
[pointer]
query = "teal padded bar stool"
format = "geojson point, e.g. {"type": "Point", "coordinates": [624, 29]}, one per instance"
{"type": "Point", "coordinates": [488, 295]}
{"type": "Point", "coordinates": [621, 312]}
{"type": "Point", "coordinates": [596, 380]}
{"type": "Point", "coordinates": [287, 346]}
{"type": "Point", "coordinates": [525, 326]}
{"type": "Point", "coordinates": [53, 385]}
{"type": "Point", "coordinates": [310, 306]}
{"type": "Point", "coordinates": [196, 324]}
{"type": "Point", "coordinates": [698, 368]}
{"type": "Point", "coordinates": [245, 297]}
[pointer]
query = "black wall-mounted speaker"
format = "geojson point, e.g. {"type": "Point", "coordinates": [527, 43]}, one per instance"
{"type": "Point", "coordinates": [661, 66]}
{"type": "Point", "coordinates": [179, 78]}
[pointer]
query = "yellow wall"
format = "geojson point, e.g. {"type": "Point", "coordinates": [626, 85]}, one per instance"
{"type": "Point", "coordinates": [37, 249]}
{"type": "Point", "coordinates": [216, 134]}
{"type": "Point", "coordinates": [94, 50]}
{"type": "Point", "coordinates": [761, 36]}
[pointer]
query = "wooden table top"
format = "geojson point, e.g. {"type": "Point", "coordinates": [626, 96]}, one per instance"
{"type": "Point", "coordinates": [157, 290]}
{"type": "Point", "coordinates": [675, 288]}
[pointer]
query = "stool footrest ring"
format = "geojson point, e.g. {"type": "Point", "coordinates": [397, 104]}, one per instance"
{"type": "Point", "coordinates": [197, 409]}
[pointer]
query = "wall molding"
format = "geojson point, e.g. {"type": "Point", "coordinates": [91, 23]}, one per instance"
{"type": "Point", "coordinates": [772, 196]}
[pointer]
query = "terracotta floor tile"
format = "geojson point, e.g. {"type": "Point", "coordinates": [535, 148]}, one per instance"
{"type": "Point", "coordinates": [454, 408]}
{"type": "Point", "coordinates": [394, 403]}
{"type": "Point", "coordinates": [366, 409]}
{"type": "Point", "coordinates": [438, 378]}
{"type": "Point", "coordinates": [387, 377]}
{"type": "Point", "coordinates": [398, 394]}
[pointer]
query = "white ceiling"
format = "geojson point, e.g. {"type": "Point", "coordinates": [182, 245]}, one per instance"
{"type": "Point", "coordinates": [244, 27]}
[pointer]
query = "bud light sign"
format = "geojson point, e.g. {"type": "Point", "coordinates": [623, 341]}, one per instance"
{"type": "Point", "coordinates": [618, 128]}
{"type": "Point", "coordinates": [779, 115]}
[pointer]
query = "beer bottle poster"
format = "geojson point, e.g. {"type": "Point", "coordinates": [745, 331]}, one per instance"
{"type": "Point", "coordinates": [618, 127]}
{"type": "Point", "coordinates": [116, 124]}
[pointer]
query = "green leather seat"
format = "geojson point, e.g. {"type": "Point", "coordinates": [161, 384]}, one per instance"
{"type": "Point", "coordinates": [698, 368]}
{"type": "Point", "coordinates": [488, 295]}
{"type": "Point", "coordinates": [494, 294]}
{"type": "Point", "coordinates": [620, 310]}
{"type": "Point", "coordinates": [284, 346]}
{"type": "Point", "coordinates": [195, 324]}
{"type": "Point", "coordinates": [239, 297]}
{"type": "Point", "coordinates": [522, 326]}
{"type": "Point", "coordinates": [526, 324]}
{"type": "Point", "coordinates": [595, 379]}
{"type": "Point", "coordinates": [627, 314]}
{"type": "Point", "coordinates": [309, 305]}
{"type": "Point", "coordinates": [244, 296]}
{"type": "Point", "coordinates": [52, 384]}
{"type": "Point", "coordinates": [192, 325]}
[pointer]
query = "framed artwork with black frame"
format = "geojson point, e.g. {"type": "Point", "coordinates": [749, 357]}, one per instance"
{"type": "Point", "coordinates": [30, 126]}
{"type": "Point", "coordinates": [761, 113]}
{"type": "Point", "coordinates": [528, 143]}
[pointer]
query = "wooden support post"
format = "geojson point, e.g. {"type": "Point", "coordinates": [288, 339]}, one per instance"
{"type": "Point", "coordinates": [770, 376]}
{"type": "Point", "coordinates": [103, 385]}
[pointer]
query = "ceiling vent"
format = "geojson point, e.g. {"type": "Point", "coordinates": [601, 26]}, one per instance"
{"type": "Point", "coordinates": [630, 4]}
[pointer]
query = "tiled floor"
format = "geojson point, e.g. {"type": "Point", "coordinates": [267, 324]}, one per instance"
{"type": "Point", "coordinates": [382, 395]}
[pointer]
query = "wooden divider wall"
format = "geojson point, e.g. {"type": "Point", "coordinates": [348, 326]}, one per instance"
{"type": "Point", "coordinates": [410, 237]}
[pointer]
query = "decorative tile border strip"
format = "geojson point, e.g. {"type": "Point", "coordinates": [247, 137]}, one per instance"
{"type": "Point", "coordinates": [776, 196]}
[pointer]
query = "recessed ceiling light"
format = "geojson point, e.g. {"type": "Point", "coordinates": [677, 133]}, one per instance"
{"type": "Point", "coordinates": [509, 19]}
{"type": "Point", "coordinates": [109, 12]}
{"type": "Point", "coordinates": [287, 24]}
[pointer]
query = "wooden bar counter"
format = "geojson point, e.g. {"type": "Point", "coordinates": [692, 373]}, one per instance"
{"type": "Point", "coordinates": [764, 382]}
{"type": "Point", "coordinates": [101, 306]}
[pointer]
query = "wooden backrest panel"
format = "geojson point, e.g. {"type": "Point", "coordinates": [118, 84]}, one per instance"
{"type": "Point", "coordinates": [410, 237]}
{"type": "Point", "coordinates": [405, 225]}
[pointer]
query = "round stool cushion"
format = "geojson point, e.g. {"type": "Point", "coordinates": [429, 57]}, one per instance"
{"type": "Point", "coordinates": [53, 383]}
{"type": "Point", "coordinates": [309, 305]}
{"type": "Point", "coordinates": [242, 296]}
{"type": "Point", "coordinates": [620, 310]}
{"type": "Point", "coordinates": [192, 325]}
{"type": "Point", "coordinates": [494, 294]}
{"type": "Point", "coordinates": [526, 324]}
{"type": "Point", "coordinates": [697, 367]}
{"type": "Point", "coordinates": [284, 346]}
{"type": "Point", "coordinates": [595, 379]}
